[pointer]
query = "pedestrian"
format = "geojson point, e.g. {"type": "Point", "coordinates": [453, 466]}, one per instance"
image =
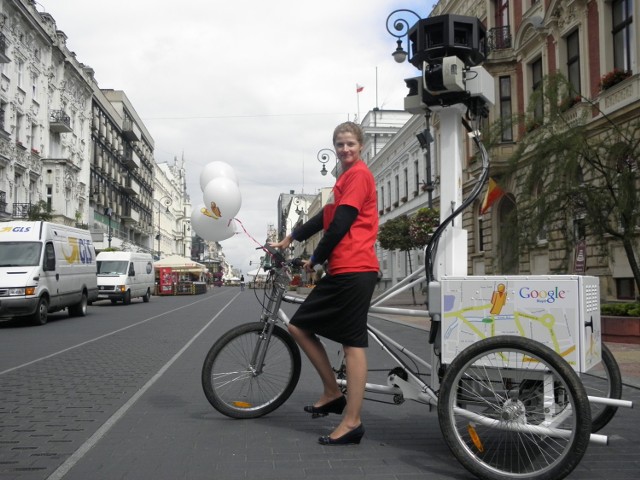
{"type": "Point", "coordinates": [242, 283]}
{"type": "Point", "coordinates": [338, 305]}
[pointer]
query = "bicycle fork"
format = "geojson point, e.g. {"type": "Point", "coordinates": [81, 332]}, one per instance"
{"type": "Point", "coordinates": [262, 345]}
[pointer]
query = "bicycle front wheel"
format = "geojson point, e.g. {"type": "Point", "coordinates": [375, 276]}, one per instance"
{"type": "Point", "coordinates": [510, 407]}
{"type": "Point", "coordinates": [237, 388]}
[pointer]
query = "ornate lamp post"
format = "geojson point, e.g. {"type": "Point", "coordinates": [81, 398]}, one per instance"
{"type": "Point", "coordinates": [167, 202]}
{"type": "Point", "coordinates": [324, 155]}
{"type": "Point", "coordinates": [398, 26]}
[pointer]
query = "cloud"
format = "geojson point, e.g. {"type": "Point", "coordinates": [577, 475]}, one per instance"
{"type": "Point", "coordinates": [259, 85]}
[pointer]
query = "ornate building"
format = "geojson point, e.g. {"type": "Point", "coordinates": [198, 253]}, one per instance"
{"type": "Point", "coordinates": [585, 41]}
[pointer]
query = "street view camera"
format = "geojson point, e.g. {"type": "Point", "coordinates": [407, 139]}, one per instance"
{"type": "Point", "coordinates": [448, 49]}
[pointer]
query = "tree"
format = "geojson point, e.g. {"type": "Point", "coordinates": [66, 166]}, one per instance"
{"type": "Point", "coordinates": [405, 234]}
{"type": "Point", "coordinates": [422, 225]}
{"type": "Point", "coordinates": [576, 178]}
{"type": "Point", "coordinates": [40, 211]}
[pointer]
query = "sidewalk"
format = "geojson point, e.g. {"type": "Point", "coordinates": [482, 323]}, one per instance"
{"type": "Point", "coordinates": [626, 354]}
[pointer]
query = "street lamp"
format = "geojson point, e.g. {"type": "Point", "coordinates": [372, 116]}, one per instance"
{"type": "Point", "coordinates": [324, 155]}
{"type": "Point", "coordinates": [109, 212]}
{"type": "Point", "coordinates": [167, 202]}
{"type": "Point", "coordinates": [401, 27]}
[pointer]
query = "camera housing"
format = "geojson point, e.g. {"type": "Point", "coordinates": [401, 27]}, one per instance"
{"type": "Point", "coordinates": [433, 38]}
{"type": "Point", "coordinates": [448, 50]}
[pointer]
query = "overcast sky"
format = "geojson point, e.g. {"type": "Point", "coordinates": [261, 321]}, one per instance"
{"type": "Point", "coordinates": [257, 84]}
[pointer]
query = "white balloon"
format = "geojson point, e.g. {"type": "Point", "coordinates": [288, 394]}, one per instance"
{"type": "Point", "coordinates": [215, 170]}
{"type": "Point", "coordinates": [222, 197]}
{"type": "Point", "coordinates": [208, 227]}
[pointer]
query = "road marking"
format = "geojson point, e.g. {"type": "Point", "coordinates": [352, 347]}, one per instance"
{"type": "Point", "coordinates": [102, 336]}
{"type": "Point", "coordinates": [63, 469]}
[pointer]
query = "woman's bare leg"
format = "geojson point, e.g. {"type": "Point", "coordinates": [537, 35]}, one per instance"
{"type": "Point", "coordinates": [317, 355]}
{"type": "Point", "coordinates": [356, 363]}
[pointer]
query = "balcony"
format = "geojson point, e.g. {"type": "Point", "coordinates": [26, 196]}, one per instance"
{"type": "Point", "coordinates": [131, 159]}
{"type": "Point", "coordinates": [131, 187]}
{"type": "Point", "coordinates": [620, 95]}
{"type": "Point", "coordinates": [59, 122]}
{"type": "Point", "coordinates": [499, 38]}
{"type": "Point", "coordinates": [3, 49]}
{"type": "Point", "coordinates": [131, 216]}
{"type": "Point", "coordinates": [21, 210]}
{"type": "Point", "coordinates": [130, 130]}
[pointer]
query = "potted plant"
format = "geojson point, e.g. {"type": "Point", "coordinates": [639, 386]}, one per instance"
{"type": "Point", "coordinates": [612, 78]}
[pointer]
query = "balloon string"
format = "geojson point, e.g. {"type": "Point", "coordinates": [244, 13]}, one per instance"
{"type": "Point", "coordinates": [249, 235]}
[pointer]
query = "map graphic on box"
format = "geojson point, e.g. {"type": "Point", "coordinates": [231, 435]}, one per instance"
{"type": "Point", "coordinates": [561, 311]}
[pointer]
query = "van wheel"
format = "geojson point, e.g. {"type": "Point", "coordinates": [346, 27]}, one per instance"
{"type": "Point", "coordinates": [127, 297]}
{"type": "Point", "coordinates": [40, 315]}
{"type": "Point", "coordinates": [147, 296]}
{"type": "Point", "coordinates": [79, 309]}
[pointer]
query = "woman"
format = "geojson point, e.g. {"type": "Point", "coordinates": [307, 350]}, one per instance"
{"type": "Point", "coordinates": [337, 307]}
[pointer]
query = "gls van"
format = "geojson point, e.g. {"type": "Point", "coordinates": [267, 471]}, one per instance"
{"type": "Point", "coordinates": [44, 268]}
{"type": "Point", "coordinates": [125, 275]}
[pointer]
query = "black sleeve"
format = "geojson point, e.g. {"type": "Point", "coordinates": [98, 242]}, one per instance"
{"type": "Point", "coordinates": [340, 225]}
{"type": "Point", "coordinates": [307, 229]}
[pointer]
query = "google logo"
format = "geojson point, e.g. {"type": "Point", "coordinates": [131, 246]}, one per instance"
{"type": "Point", "coordinates": [542, 296]}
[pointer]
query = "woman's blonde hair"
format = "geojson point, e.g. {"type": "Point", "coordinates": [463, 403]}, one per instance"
{"type": "Point", "coordinates": [349, 127]}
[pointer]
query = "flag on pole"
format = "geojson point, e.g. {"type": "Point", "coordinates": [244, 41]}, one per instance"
{"type": "Point", "coordinates": [359, 88]}
{"type": "Point", "coordinates": [494, 192]}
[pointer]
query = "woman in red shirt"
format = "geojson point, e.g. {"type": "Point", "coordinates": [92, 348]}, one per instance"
{"type": "Point", "coordinates": [337, 307]}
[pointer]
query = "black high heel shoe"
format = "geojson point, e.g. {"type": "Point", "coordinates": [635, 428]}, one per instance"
{"type": "Point", "coordinates": [350, 438]}
{"type": "Point", "coordinates": [334, 406]}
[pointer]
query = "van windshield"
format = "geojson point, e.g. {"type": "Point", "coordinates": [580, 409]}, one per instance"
{"type": "Point", "coordinates": [112, 267]}
{"type": "Point", "coordinates": [20, 254]}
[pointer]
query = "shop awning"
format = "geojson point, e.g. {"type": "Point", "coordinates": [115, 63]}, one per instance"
{"type": "Point", "coordinates": [181, 264]}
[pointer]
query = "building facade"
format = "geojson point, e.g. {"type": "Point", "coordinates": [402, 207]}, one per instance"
{"type": "Point", "coordinates": [77, 150]}
{"type": "Point", "coordinates": [585, 41]}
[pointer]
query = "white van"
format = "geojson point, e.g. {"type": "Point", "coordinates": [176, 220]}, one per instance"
{"type": "Point", "coordinates": [125, 275]}
{"type": "Point", "coordinates": [44, 268]}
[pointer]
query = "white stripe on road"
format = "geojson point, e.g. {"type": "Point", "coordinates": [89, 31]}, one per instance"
{"type": "Point", "coordinates": [102, 336]}
{"type": "Point", "coordinates": [62, 470]}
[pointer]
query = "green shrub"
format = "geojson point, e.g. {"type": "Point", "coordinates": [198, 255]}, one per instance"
{"type": "Point", "coordinates": [620, 309]}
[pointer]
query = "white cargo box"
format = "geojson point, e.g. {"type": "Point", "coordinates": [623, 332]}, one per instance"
{"type": "Point", "coordinates": [560, 311]}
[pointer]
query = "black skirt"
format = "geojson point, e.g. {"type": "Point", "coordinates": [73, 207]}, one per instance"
{"type": "Point", "coordinates": [337, 308]}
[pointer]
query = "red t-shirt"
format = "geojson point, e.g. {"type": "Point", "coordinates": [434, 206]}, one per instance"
{"type": "Point", "coordinates": [355, 252]}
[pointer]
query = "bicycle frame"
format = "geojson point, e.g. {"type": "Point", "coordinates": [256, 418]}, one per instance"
{"type": "Point", "coordinates": [414, 388]}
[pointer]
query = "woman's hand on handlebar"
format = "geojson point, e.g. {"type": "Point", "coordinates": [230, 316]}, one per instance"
{"type": "Point", "coordinates": [284, 243]}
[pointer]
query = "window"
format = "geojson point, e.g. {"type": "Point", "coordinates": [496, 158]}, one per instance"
{"type": "Point", "coordinates": [573, 62]}
{"type": "Point", "coordinates": [625, 289]}
{"type": "Point", "coordinates": [49, 196]}
{"type": "Point", "coordinates": [406, 184]}
{"type": "Point", "coordinates": [397, 185]}
{"type": "Point", "coordinates": [579, 228]}
{"type": "Point", "coordinates": [35, 138]}
{"type": "Point", "coordinates": [502, 13]}
{"type": "Point", "coordinates": [33, 191]}
{"type": "Point", "coordinates": [19, 128]}
{"type": "Point", "coordinates": [19, 72]}
{"type": "Point", "coordinates": [34, 87]}
{"type": "Point", "coordinates": [536, 87]}
{"type": "Point", "coordinates": [382, 198]}
{"type": "Point", "coordinates": [416, 177]}
{"type": "Point", "coordinates": [3, 112]}
{"type": "Point", "coordinates": [389, 194]}
{"type": "Point", "coordinates": [505, 109]}
{"type": "Point", "coordinates": [622, 18]}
